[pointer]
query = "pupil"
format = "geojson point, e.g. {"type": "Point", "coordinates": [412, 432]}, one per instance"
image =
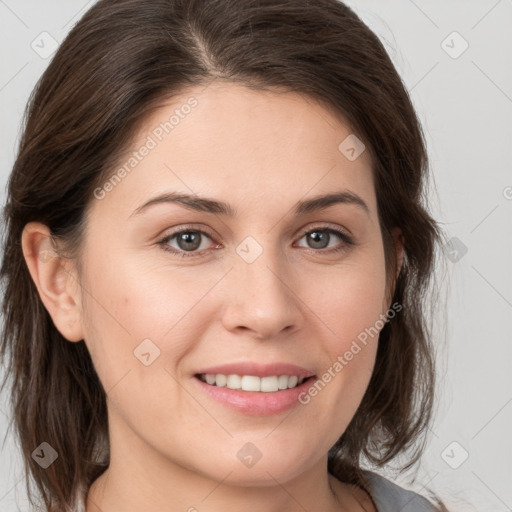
{"type": "Point", "coordinates": [187, 239]}
{"type": "Point", "coordinates": [314, 236]}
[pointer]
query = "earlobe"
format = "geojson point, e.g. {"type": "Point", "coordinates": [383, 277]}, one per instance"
{"type": "Point", "coordinates": [54, 279]}
{"type": "Point", "coordinates": [399, 244]}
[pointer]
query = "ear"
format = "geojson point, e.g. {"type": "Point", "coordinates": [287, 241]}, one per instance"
{"type": "Point", "coordinates": [399, 245]}
{"type": "Point", "coordinates": [55, 280]}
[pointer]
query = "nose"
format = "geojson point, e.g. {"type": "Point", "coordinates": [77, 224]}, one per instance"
{"type": "Point", "coordinates": [261, 297]}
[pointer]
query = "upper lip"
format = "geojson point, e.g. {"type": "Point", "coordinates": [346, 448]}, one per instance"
{"type": "Point", "coordinates": [258, 370]}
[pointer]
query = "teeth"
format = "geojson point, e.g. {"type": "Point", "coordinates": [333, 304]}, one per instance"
{"type": "Point", "coordinates": [282, 382]}
{"type": "Point", "coordinates": [221, 380]}
{"type": "Point", "coordinates": [233, 381]}
{"type": "Point", "coordinates": [251, 382]}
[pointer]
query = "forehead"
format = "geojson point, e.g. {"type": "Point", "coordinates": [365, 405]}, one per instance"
{"type": "Point", "coordinates": [229, 141]}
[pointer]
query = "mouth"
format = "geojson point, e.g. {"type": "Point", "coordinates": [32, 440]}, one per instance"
{"type": "Point", "coordinates": [253, 383]}
{"type": "Point", "coordinates": [255, 388]}
{"type": "Point", "coordinates": [253, 395]}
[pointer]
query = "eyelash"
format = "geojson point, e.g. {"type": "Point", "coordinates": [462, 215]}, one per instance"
{"type": "Point", "coordinates": [348, 241]}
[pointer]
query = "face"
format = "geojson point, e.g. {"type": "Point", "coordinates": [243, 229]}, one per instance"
{"type": "Point", "coordinates": [172, 290]}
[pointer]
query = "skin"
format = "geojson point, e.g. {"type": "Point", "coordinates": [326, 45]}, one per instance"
{"type": "Point", "coordinates": [172, 447]}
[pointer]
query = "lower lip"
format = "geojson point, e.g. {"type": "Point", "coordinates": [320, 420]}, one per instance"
{"type": "Point", "coordinates": [256, 403]}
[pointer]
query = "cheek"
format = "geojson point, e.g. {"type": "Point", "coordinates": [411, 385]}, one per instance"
{"type": "Point", "coordinates": [133, 300]}
{"type": "Point", "coordinates": [349, 301]}
{"type": "Point", "coordinates": [139, 328]}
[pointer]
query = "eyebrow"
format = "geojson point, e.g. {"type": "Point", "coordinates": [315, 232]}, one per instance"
{"type": "Point", "coordinates": [209, 205]}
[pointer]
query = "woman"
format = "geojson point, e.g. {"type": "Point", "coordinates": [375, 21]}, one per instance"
{"type": "Point", "coordinates": [215, 264]}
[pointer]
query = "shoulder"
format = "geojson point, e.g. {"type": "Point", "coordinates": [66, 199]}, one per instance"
{"type": "Point", "coordinates": [390, 497]}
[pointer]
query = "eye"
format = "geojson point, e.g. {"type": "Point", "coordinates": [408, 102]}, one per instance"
{"type": "Point", "coordinates": [321, 236]}
{"type": "Point", "coordinates": [189, 241]}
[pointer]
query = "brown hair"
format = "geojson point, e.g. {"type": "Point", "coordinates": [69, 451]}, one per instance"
{"type": "Point", "coordinates": [116, 64]}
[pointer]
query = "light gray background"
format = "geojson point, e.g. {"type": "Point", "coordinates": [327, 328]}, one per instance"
{"type": "Point", "coordinates": [465, 104]}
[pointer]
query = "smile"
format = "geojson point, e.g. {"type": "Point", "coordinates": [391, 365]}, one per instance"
{"type": "Point", "coordinates": [269, 384]}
